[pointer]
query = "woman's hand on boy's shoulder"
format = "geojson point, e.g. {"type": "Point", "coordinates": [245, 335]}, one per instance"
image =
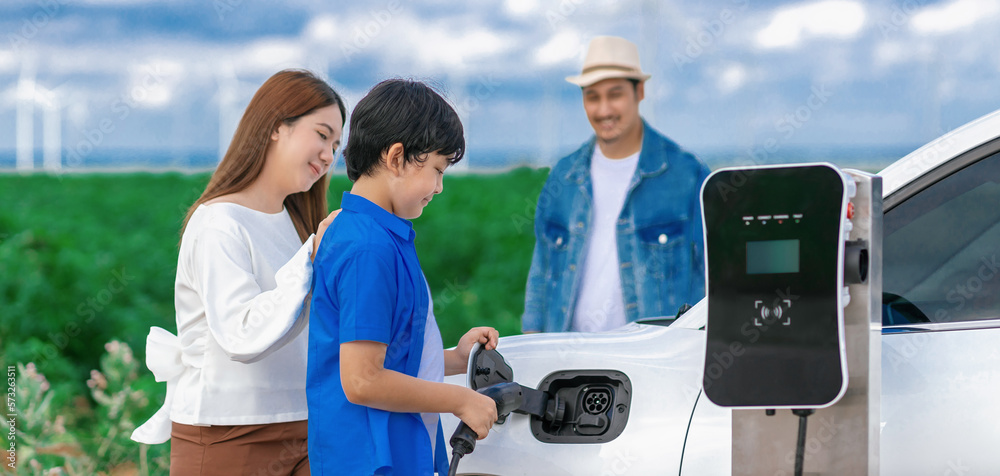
{"type": "Point", "coordinates": [323, 225]}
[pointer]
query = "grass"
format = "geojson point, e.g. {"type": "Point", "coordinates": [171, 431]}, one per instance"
{"type": "Point", "coordinates": [85, 259]}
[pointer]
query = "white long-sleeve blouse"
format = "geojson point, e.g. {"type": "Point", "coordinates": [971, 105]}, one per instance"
{"type": "Point", "coordinates": [242, 280]}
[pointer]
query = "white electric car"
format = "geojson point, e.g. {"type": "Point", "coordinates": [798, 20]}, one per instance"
{"type": "Point", "coordinates": [940, 410]}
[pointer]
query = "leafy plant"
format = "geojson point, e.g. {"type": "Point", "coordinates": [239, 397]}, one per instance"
{"type": "Point", "coordinates": [80, 438]}
{"type": "Point", "coordinates": [44, 446]}
{"type": "Point", "coordinates": [121, 407]}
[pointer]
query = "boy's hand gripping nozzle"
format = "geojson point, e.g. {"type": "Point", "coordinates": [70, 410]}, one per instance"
{"type": "Point", "coordinates": [508, 397]}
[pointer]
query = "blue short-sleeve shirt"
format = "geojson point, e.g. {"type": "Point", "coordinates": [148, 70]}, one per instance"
{"type": "Point", "coordinates": [367, 285]}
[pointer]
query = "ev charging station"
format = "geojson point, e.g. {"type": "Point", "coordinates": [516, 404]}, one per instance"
{"type": "Point", "coordinates": [793, 257]}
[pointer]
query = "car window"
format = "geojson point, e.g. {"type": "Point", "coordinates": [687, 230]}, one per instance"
{"type": "Point", "coordinates": [940, 250]}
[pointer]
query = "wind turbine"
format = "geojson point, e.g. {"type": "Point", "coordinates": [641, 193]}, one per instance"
{"type": "Point", "coordinates": [229, 114]}
{"type": "Point", "coordinates": [30, 94]}
{"type": "Point", "coordinates": [649, 40]}
{"type": "Point", "coordinates": [51, 128]}
{"type": "Point", "coordinates": [25, 125]}
{"type": "Point", "coordinates": [464, 105]}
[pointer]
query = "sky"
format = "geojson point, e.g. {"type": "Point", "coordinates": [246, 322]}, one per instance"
{"type": "Point", "coordinates": [732, 77]}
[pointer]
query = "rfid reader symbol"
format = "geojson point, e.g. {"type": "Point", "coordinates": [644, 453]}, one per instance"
{"type": "Point", "coordinates": [765, 315]}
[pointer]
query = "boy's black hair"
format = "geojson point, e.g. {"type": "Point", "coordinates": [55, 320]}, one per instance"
{"type": "Point", "coordinates": [407, 112]}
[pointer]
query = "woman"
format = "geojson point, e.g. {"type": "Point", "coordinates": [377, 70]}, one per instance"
{"type": "Point", "coordinates": [236, 399]}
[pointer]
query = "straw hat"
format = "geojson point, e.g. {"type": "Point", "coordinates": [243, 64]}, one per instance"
{"type": "Point", "coordinates": [609, 57]}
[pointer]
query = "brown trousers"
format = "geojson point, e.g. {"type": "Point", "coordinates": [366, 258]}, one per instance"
{"type": "Point", "coordinates": [255, 450]}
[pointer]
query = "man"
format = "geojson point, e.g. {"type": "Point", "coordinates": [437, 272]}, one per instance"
{"type": "Point", "coordinates": [618, 232]}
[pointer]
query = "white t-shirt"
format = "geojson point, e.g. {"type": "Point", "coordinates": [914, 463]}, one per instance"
{"type": "Point", "coordinates": [599, 304]}
{"type": "Point", "coordinates": [242, 280]}
{"type": "Point", "coordinates": [431, 365]}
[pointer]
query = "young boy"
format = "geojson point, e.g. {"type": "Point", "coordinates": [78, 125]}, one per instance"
{"type": "Point", "coordinates": [376, 360]}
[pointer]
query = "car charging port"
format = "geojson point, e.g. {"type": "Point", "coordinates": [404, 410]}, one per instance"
{"type": "Point", "coordinates": [596, 400]}
{"type": "Point", "coordinates": [569, 406]}
{"type": "Point", "coordinates": [593, 419]}
{"type": "Point", "coordinates": [584, 406]}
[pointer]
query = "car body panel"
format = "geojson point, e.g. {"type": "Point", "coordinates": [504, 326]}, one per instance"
{"type": "Point", "coordinates": [936, 420]}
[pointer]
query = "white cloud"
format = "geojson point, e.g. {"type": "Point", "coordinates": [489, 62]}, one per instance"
{"type": "Point", "coordinates": [8, 97]}
{"type": "Point", "coordinates": [323, 29]}
{"type": "Point", "coordinates": [77, 113]}
{"type": "Point", "coordinates": [8, 62]}
{"type": "Point", "coordinates": [86, 59]}
{"type": "Point", "coordinates": [454, 45]}
{"type": "Point", "coordinates": [953, 16]}
{"type": "Point", "coordinates": [890, 53]}
{"type": "Point", "coordinates": [270, 55]}
{"type": "Point", "coordinates": [152, 84]}
{"type": "Point", "coordinates": [470, 46]}
{"type": "Point", "coordinates": [732, 78]}
{"type": "Point", "coordinates": [521, 7]}
{"type": "Point", "coordinates": [564, 46]}
{"type": "Point", "coordinates": [790, 26]}
{"type": "Point", "coordinates": [46, 97]}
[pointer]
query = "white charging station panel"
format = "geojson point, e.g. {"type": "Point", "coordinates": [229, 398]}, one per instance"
{"type": "Point", "coordinates": [774, 245]}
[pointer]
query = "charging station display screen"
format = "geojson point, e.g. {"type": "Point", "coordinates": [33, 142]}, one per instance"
{"type": "Point", "coordinates": [772, 256]}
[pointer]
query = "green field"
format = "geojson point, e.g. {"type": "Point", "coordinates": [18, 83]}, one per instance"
{"type": "Point", "coordinates": [89, 259]}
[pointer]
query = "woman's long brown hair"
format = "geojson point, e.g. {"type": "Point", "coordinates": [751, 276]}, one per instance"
{"type": "Point", "coordinates": [283, 98]}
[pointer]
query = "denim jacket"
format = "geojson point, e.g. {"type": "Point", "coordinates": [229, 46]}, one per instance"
{"type": "Point", "coordinates": [660, 240]}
